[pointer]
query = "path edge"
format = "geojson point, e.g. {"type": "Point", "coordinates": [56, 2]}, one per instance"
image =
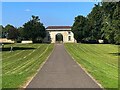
{"type": "Point", "coordinates": [84, 69]}
{"type": "Point", "coordinates": [32, 77]}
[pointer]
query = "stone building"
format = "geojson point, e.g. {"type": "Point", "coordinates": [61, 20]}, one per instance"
{"type": "Point", "coordinates": [59, 34]}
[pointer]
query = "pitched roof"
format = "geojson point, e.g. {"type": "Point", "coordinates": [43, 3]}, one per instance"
{"type": "Point", "coordinates": [58, 27]}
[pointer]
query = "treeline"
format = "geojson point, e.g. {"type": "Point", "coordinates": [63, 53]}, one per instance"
{"type": "Point", "coordinates": [103, 22]}
{"type": "Point", "coordinates": [31, 30]}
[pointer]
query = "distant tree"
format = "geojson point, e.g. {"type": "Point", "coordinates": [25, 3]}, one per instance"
{"type": "Point", "coordinates": [20, 34]}
{"type": "Point", "coordinates": [34, 30]}
{"type": "Point", "coordinates": [11, 32]}
{"type": "Point", "coordinates": [59, 37]}
{"type": "Point", "coordinates": [79, 28]}
{"type": "Point", "coordinates": [1, 31]}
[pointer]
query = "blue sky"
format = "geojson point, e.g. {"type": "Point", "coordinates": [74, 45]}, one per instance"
{"type": "Point", "coordinates": [50, 13]}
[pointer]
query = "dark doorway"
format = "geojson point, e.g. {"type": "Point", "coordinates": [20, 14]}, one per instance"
{"type": "Point", "coordinates": [59, 38]}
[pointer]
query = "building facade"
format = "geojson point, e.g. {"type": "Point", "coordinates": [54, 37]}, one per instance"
{"type": "Point", "coordinates": [59, 33]}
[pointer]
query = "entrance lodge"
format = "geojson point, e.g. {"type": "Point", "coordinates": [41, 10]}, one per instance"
{"type": "Point", "coordinates": [59, 34]}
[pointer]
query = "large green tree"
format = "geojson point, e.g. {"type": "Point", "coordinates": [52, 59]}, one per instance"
{"type": "Point", "coordinates": [111, 22]}
{"type": "Point", "coordinates": [103, 22]}
{"type": "Point", "coordinates": [95, 18]}
{"type": "Point", "coordinates": [33, 30]}
{"type": "Point", "coordinates": [79, 28]}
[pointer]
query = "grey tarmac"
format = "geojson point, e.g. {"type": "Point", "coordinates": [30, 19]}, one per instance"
{"type": "Point", "coordinates": [61, 71]}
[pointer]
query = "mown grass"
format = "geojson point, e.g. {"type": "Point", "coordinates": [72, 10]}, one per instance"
{"type": "Point", "coordinates": [21, 64]}
{"type": "Point", "coordinates": [100, 60]}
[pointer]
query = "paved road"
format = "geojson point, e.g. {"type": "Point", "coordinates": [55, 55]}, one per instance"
{"type": "Point", "coordinates": [61, 71]}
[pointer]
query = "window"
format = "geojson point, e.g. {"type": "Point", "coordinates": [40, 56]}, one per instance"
{"type": "Point", "coordinates": [69, 32]}
{"type": "Point", "coordinates": [69, 38]}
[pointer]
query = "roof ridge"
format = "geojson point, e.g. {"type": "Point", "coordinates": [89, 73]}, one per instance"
{"type": "Point", "coordinates": [58, 27]}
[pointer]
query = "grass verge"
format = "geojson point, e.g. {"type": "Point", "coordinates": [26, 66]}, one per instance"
{"type": "Point", "coordinates": [22, 63]}
{"type": "Point", "coordinates": [100, 60]}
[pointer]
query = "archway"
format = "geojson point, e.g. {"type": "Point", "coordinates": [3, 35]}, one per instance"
{"type": "Point", "coordinates": [59, 38]}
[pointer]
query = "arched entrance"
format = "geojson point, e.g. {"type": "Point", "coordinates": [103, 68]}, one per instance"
{"type": "Point", "coordinates": [59, 38]}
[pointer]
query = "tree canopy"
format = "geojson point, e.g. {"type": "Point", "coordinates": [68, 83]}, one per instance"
{"type": "Point", "coordinates": [80, 28]}
{"type": "Point", "coordinates": [103, 22]}
{"type": "Point", "coordinates": [9, 32]}
{"type": "Point", "coordinates": [33, 30]}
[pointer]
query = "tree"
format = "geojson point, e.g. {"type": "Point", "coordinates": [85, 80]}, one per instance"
{"type": "Point", "coordinates": [111, 22]}
{"type": "Point", "coordinates": [79, 28]}
{"type": "Point", "coordinates": [95, 18]}
{"type": "Point", "coordinates": [59, 37]}
{"type": "Point", "coordinates": [116, 24]}
{"type": "Point", "coordinates": [20, 33]}
{"type": "Point", "coordinates": [1, 31]}
{"type": "Point", "coordinates": [103, 22]}
{"type": "Point", "coordinates": [34, 30]}
{"type": "Point", "coordinates": [11, 32]}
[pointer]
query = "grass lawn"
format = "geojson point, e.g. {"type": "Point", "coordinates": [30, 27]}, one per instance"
{"type": "Point", "coordinates": [100, 60]}
{"type": "Point", "coordinates": [21, 64]}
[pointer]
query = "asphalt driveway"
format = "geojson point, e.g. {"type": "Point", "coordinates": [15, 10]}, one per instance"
{"type": "Point", "coordinates": [61, 71]}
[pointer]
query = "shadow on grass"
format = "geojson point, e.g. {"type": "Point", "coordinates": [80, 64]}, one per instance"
{"type": "Point", "coordinates": [15, 48]}
{"type": "Point", "coordinates": [115, 54]}
{"type": "Point", "coordinates": [111, 89]}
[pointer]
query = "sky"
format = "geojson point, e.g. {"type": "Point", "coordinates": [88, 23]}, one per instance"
{"type": "Point", "coordinates": [50, 13]}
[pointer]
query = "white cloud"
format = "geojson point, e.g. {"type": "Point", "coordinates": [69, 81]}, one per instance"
{"type": "Point", "coordinates": [27, 10]}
